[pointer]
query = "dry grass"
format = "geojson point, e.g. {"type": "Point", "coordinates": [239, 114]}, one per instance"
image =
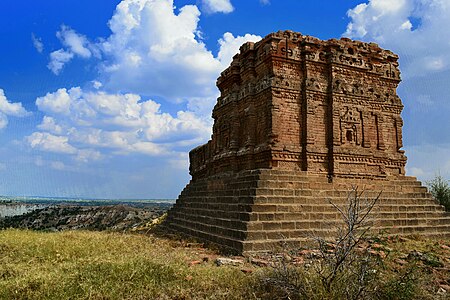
{"type": "Point", "coordinates": [102, 265]}
{"type": "Point", "coordinates": [99, 265]}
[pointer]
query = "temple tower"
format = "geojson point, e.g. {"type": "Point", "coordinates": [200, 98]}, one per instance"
{"type": "Point", "coordinates": [299, 121]}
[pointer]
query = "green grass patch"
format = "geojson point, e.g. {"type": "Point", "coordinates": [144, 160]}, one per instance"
{"type": "Point", "coordinates": [100, 265]}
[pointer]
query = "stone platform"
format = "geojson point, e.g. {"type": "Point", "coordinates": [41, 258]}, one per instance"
{"type": "Point", "coordinates": [258, 210]}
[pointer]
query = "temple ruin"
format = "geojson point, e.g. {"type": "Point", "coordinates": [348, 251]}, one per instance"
{"type": "Point", "coordinates": [299, 121]}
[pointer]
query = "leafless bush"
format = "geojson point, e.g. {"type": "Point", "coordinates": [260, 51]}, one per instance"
{"type": "Point", "coordinates": [339, 260]}
{"type": "Point", "coordinates": [340, 270]}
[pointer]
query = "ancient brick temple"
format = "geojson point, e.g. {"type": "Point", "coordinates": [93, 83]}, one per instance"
{"type": "Point", "coordinates": [299, 121]}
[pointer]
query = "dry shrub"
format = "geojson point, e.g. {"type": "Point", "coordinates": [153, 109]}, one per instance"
{"type": "Point", "coordinates": [342, 268]}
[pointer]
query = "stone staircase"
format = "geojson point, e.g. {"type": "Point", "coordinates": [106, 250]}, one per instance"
{"type": "Point", "coordinates": [259, 209]}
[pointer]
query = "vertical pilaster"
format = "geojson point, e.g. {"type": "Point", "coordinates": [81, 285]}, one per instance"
{"type": "Point", "coordinates": [398, 132]}
{"type": "Point", "coordinates": [380, 136]}
{"type": "Point", "coordinates": [365, 129]}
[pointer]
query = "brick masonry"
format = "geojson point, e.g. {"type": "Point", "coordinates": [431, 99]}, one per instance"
{"type": "Point", "coordinates": [299, 121]}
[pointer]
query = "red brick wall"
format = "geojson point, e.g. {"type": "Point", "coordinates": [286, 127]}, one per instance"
{"type": "Point", "coordinates": [296, 102]}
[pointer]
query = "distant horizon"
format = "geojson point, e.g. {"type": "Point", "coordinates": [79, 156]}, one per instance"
{"type": "Point", "coordinates": [3, 197]}
{"type": "Point", "coordinates": [105, 99]}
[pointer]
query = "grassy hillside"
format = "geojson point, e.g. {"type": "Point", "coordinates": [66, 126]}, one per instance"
{"type": "Point", "coordinates": [102, 265]}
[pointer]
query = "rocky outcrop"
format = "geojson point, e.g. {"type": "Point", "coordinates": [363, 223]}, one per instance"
{"type": "Point", "coordinates": [66, 217]}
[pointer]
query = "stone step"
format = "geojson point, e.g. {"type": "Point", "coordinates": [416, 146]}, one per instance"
{"type": "Point", "coordinates": [283, 175]}
{"type": "Point", "coordinates": [320, 221]}
{"type": "Point", "coordinates": [228, 224]}
{"type": "Point", "coordinates": [215, 228]}
{"type": "Point", "coordinates": [224, 241]}
{"type": "Point", "coordinates": [284, 212]}
{"type": "Point", "coordinates": [232, 207]}
{"type": "Point", "coordinates": [234, 219]}
{"type": "Point", "coordinates": [280, 235]}
{"type": "Point", "coordinates": [308, 205]}
{"type": "Point", "coordinates": [312, 200]}
{"type": "Point", "coordinates": [422, 193]}
{"type": "Point", "coordinates": [269, 202]}
{"type": "Point", "coordinates": [234, 195]}
{"type": "Point", "coordinates": [334, 215]}
{"type": "Point", "coordinates": [233, 200]}
{"type": "Point", "coordinates": [228, 214]}
{"type": "Point", "coordinates": [238, 210]}
{"type": "Point", "coordinates": [379, 206]}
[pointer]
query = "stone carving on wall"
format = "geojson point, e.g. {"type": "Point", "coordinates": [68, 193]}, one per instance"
{"type": "Point", "coordinates": [350, 122]}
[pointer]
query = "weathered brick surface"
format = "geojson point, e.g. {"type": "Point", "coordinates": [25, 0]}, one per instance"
{"type": "Point", "coordinates": [295, 102]}
{"type": "Point", "coordinates": [298, 123]}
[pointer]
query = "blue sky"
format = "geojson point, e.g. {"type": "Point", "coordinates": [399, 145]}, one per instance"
{"type": "Point", "coordinates": [104, 99]}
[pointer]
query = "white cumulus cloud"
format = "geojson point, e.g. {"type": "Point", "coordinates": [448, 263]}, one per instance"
{"type": "Point", "coordinates": [422, 46]}
{"type": "Point", "coordinates": [49, 124]}
{"type": "Point", "coordinates": [10, 109]}
{"type": "Point", "coordinates": [58, 102]}
{"type": "Point", "coordinates": [51, 143]}
{"type": "Point", "coordinates": [217, 6]}
{"type": "Point", "coordinates": [75, 44]}
{"type": "Point", "coordinates": [229, 46]}
{"type": "Point", "coordinates": [77, 121]}
{"type": "Point", "coordinates": [58, 59]}
{"type": "Point", "coordinates": [154, 49]}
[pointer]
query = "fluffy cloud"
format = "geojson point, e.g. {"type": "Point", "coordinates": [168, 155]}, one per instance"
{"type": "Point", "coordinates": [58, 59]}
{"type": "Point", "coordinates": [79, 122]}
{"type": "Point", "coordinates": [410, 28]}
{"type": "Point", "coordinates": [9, 109]}
{"type": "Point", "coordinates": [217, 6]}
{"type": "Point", "coordinates": [418, 31]}
{"type": "Point", "coordinates": [58, 102]}
{"type": "Point", "coordinates": [49, 124]}
{"type": "Point", "coordinates": [48, 142]}
{"type": "Point", "coordinates": [75, 45]}
{"type": "Point", "coordinates": [229, 46]}
{"type": "Point", "coordinates": [154, 49]}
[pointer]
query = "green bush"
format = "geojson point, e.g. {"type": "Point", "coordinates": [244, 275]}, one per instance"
{"type": "Point", "coordinates": [440, 189]}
